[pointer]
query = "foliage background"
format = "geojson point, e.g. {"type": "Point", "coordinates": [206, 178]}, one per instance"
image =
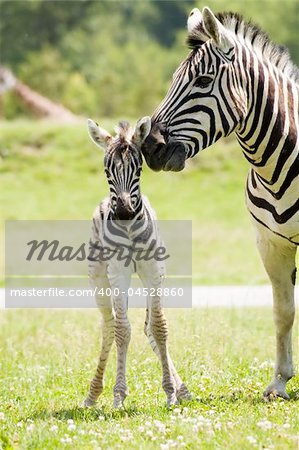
{"type": "Point", "coordinates": [110, 58]}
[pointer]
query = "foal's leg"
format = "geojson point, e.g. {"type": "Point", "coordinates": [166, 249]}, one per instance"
{"type": "Point", "coordinates": [182, 392]}
{"type": "Point", "coordinates": [96, 386]}
{"type": "Point", "coordinates": [279, 261]}
{"type": "Point", "coordinates": [158, 329]}
{"type": "Point", "coordinates": [120, 282]}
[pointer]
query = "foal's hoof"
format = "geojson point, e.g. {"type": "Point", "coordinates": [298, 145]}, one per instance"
{"type": "Point", "coordinates": [118, 402]}
{"type": "Point", "coordinates": [275, 390]}
{"type": "Point", "coordinates": [183, 393]}
{"type": "Point", "coordinates": [172, 401]}
{"type": "Point", "coordinates": [88, 403]}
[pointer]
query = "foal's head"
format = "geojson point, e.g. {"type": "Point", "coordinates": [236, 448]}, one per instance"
{"type": "Point", "coordinates": [122, 163]}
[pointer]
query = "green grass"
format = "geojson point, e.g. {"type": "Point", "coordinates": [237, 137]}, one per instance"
{"type": "Point", "coordinates": [48, 359]}
{"type": "Point", "coordinates": [53, 171]}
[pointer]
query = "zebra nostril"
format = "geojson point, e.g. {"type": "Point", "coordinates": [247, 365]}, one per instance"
{"type": "Point", "coordinates": [124, 209]}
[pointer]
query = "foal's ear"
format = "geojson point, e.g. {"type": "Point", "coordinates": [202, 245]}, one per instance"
{"type": "Point", "coordinates": [142, 130]}
{"type": "Point", "coordinates": [99, 136]}
{"type": "Point", "coordinates": [216, 31]}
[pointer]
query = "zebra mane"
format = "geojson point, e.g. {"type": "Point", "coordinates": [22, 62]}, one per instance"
{"type": "Point", "coordinates": [255, 36]}
{"type": "Point", "coordinates": [123, 130]}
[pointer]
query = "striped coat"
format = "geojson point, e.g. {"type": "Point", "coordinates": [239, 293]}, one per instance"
{"type": "Point", "coordinates": [124, 221]}
{"type": "Point", "coordinates": [235, 80]}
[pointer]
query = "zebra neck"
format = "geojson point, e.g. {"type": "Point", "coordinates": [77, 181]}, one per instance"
{"type": "Point", "coordinates": [269, 133]}
{"type": "Point", "coordinates": [140, 209]}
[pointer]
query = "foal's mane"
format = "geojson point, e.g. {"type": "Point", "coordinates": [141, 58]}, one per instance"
{"type": "Point", "coordinates": [254, 36]}
{"type": "Point", "coordinates": [123, 130]}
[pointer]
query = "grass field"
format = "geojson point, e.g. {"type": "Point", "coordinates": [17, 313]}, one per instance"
{"type": "Point", "coordinates": [53, 171]}
{"type": "Point", "coordinates": [225, 357]}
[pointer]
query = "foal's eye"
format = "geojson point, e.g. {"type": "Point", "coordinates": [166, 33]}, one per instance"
{"type": "Point", "coordinates": [203, 81]}
{"type": "Point", "coordinates": [107, 173]}
{"type": "Point", "coordinates": [138, 172]}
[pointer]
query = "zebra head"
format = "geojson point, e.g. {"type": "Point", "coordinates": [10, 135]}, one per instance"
{"type": "Point", "coordinates": [205, 100]}
{"type": "Point", "coordinates": [122, 164]}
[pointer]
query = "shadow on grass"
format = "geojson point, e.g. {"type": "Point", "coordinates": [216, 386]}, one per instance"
{"type": "Point", "coordinates": [241, 397]}
{"type": "Point", "coordinates": [105, 413]}
{"type": "Point", "coordinates": [87, 414]}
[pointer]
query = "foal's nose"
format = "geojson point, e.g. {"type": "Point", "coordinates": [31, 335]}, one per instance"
{"type": "Point", "coordinates": [124, 209]}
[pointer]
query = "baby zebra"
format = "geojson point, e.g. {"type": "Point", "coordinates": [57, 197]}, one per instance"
{"type": "Point", "coordinates": [122, 220]}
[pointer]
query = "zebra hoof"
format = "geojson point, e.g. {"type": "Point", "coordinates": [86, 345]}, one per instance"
{"type": "Point", "coordinates": [172, 401]}
{"type": "Point", "coordinates": [183, 394]}
{"type": "Point", "coordinates": [118, 402]}
{"type": "Point", "coordinates": [274, 390]}
{"type": "Point", "coordinates": [88, 403]}
{"type": "Point", "coordinates": [274, 394]}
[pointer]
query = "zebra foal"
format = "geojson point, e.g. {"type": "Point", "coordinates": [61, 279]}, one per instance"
{"type": "Point", "coordinates": [236, 80]}
{"type": "Point", "coordinates": [120, 221]}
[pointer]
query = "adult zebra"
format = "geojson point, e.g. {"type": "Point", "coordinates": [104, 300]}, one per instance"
{"type": "Point", "coordinates": [236, 80]}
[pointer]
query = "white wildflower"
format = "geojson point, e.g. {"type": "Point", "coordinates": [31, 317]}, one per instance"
{"type": "Point", "coordinates": [2, 416]}
{"type": "Point", "coordinates": [251, 439]}
{"type": "Point", "coordinates": [266, 364]}
{"type": "Point", "coordinates": [160, 426]}
{"type": "Point", "coordinates": [30, 427]}
{"type": "Point", "coordinates": [66, 440]}
{"type": "Point", "coordinates": [265, 424]}
{"type": "Point", "coordinates": [149, 433]}
{"type": "Point", "coordinates": [164, 446]}
{"type": "Point", "coordinates": [54, 428]}
{"type": "Point", "coordinates": [217, 426]}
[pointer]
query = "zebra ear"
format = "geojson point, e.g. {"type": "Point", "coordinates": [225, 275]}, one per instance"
{"type": "Point", "coordinates": [142, 130]}
{"type": "Point", "coordinates": [216, 30]}
{"type": "Point", "coordinates": [196, 32]}
{"type": "Point", "coordinates": [98, 135]}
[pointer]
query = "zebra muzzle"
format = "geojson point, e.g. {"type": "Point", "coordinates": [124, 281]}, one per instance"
{"type": "Point", "coordinates": [162, 153]}
{"type": "Point", "coordinates": [176, 156]}
{"type": "Point", "coordinates": [124, 209]}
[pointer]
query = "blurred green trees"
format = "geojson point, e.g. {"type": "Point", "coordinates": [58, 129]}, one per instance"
{"type": "Point", "coordinates": [113, 58]}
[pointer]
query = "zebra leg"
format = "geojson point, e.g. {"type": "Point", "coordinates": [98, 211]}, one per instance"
{"type": "Point", "coordinates": [96, 386]}
{"type": "Point", "coordinates": [279, 261]}
{"type": "Point", "coordinates": [157, 328]}
{"type": "Point", "coordinates": [119, 278]}
{"type": "Point", "coordinates": [122, 338]}
{"type": "Point", "coordinates": [182, 392]}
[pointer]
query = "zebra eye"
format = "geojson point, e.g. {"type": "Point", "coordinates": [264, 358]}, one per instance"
{"type": "Point", "coordinates": [107, 173]}
{"type": "Point", "coordinates": [138, 172]}
{"type": "Point", "coordinates": [203, 81]}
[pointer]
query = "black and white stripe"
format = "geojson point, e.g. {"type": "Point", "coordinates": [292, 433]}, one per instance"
{"type": "Point", "coordinates": [253, 91]}
{"type": "Point", "coordinates": [123, 221]}
{"type": "Point", "coordinates": [236, 80]}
